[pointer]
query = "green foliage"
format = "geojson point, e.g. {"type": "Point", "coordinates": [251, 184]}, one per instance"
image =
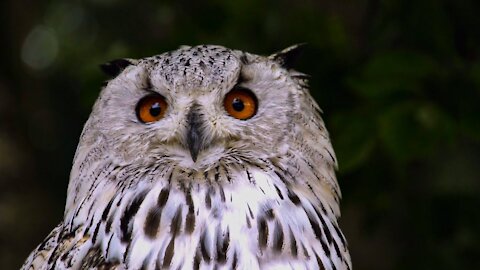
{"type": "Point", "coordinates": [395, 73]}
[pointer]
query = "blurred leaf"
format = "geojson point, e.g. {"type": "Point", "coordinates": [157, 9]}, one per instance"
{"type": "Point", "coordinates": [412, 130]}
{"type": "Point", "coordinates": [470, 122]}
{"type": "Point", "coordinates": [457, 175]}
{"type": "Point", "coordinates": [338, 38]}
{"type": "Point", "coordinates": [475, 76]}
{"type": "Point", "coordinates": [392, 72]}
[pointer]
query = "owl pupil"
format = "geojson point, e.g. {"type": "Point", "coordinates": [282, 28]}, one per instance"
{"type": "Point", "coordinates": [237, 105]}
{"type": "Point", "coordinates": [155, 110]}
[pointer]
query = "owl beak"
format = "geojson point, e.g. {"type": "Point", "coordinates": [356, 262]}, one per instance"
{"type": "Point", "coordinates": [195, 137]}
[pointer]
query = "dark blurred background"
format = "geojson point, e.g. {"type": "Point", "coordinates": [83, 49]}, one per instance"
{"type": "Point", "coordinates": [398, 80]}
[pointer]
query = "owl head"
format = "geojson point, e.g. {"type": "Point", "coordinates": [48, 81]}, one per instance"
{"type": "Point", "coordinates": [196, 107]}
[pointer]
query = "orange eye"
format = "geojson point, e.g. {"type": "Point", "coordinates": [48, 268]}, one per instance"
{"type": "Point", "coordinates": [241, 103]}
{"type": "Point", "coordinates": [151, 108]}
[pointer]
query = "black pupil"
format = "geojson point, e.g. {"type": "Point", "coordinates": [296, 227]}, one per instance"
{"type": "Point", "coordinates": [155, 110]}
{"type": "Point", "coordinates": [238, 105]}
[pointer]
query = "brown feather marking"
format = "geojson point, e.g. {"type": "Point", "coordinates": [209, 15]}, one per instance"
{"type": "Point", "coordinates": [196, 261]}
{"type": "Point", "coordinates": [235, 260]}
{"type": "Point", "coordinates": [190, 219]}
{"type": "Point", "coordinates": [293, 244]}
{"type": "Point", "coordinates": [163, 197]}
{"type": "Point", "coordinates": [169, 252]}
{"type": "Point", "coordinates": [262, 232]}
{"type": "Point", "coordinates": [318, 231]}
{"type": "Point", "coordinates": [278, 237]}
{"type": "Point", "coordinates": [293, 197]}
{"type": "Point", "coordinates": [152, 222]}
{"type": "Point", "coordinates": [176, 221]}
{"type": "Point", "coordinates": [129, 213]}
{"type": "Point", "coordinates": [223, 241]}
{"type": "Point", "coordinates": [320, 264]}
{"type": "Point", "coordinates": [208, 200]}
{"type": "Point", "coordinates": [204, 246]}
{"type": "Point", "coordinates": [270, 214]}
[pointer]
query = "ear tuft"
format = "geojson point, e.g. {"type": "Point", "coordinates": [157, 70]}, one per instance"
{"type": "Point", "coordinates": [114, 67]}
{"type": "Point", "coordinates": [288, 57]}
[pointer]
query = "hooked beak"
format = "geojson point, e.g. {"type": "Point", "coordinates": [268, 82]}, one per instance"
{"type": "Point", "coordinates": [195, 136]}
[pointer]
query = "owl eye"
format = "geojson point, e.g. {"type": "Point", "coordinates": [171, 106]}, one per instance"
{"type": "Point", "coordinates": [241, 103]}
{"type": "Point", "coordinates": [151, 108]}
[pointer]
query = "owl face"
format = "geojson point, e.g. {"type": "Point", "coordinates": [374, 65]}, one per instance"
{"type": "Point", "coordinates": [200, 158]}
{"type": "Point", "coordinates": [196, 106]}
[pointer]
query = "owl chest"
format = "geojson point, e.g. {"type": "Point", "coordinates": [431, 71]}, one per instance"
{"type": "Point", "coordinates": [232, 226]}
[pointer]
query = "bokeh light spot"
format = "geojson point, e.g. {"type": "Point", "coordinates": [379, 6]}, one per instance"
{"type": "Point", "coordinates": [40, 48]}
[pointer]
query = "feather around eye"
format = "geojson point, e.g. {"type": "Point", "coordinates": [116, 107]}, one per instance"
{"type": "Point", "coordinates": [241, 103]}
{"type": "Point", "coordinates": [151, 108]}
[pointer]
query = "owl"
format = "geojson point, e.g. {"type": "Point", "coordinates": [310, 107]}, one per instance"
{"type": "Point", "coordinates": [201, 158]}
